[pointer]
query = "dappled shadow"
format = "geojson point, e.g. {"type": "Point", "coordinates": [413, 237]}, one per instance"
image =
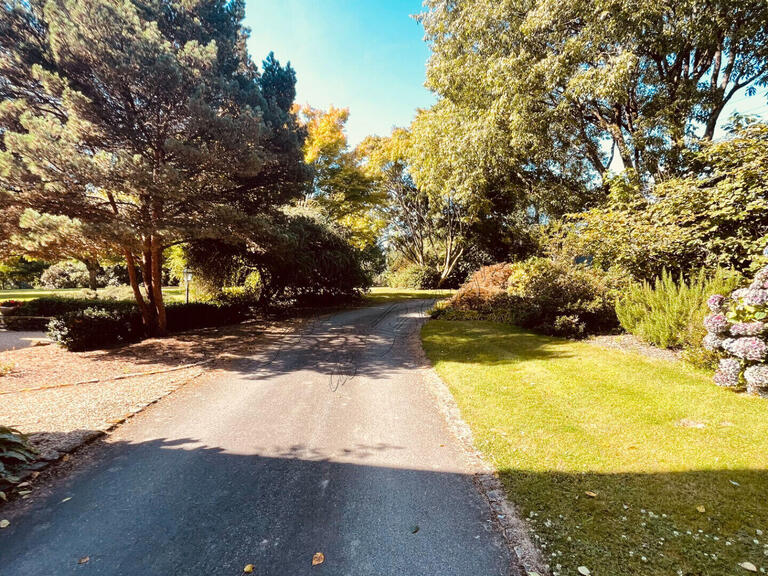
{"type": "Point", "coordinates": [167, 507]}
{"type": "Point", "coordinates": [341, 344]}
{"type": "Point", "coordinates": [372, 342]}
{"type": "Point", "coordinates": [688, 522]}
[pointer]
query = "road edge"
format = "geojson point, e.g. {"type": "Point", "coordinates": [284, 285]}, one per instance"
{"type": "Point", "coordinates": [503, 512]}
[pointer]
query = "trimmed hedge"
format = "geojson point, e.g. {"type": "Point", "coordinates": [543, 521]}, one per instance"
{"type": "Point", "coordinates": [95, 328]}
{"type": "Point", "coordinates": [98, 326]}
{"type": "Point", "coordinates": [54, 306]}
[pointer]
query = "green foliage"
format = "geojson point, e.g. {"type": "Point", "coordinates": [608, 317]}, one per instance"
{"type": "Point", "coordinates": [205, 314]}
{"type": "Point", "coordinates": [65, 275]}
{"type": "Point", "coordinates": [298, 259]}
{"type": "Point", "coordinates": [94, 328]}
{"type": "Point", "coordinates": [550, 296]}
{"type": "Point", "coordinates": [547, 83]}
{"type": "Point", "coordinates": [718, 218]}
{"type": "Point", "coordinates": [670, 312]}
{"type": "Point", "coordinates": [340, 187]}
{"type": "Point", "coordinates": [413, 276]}
{"type": "Point", "coordinates": [145, 124]}
{"type": "Point", "coordinates": [44, 308]}
{"type": "Point", "coordinates": [20, 272]}
{"type": "Point", "coordinates": [15, 454]}
{"type": "Point", "coordinates": [103, 325]}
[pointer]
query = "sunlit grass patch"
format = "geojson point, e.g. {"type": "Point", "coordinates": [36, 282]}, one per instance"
{"type": "Point", "coordinates": [172, 293]}
{"type": "Point", "coordinates": [678, 467]}
{"type": "Point", "coordinates": [382, 295]}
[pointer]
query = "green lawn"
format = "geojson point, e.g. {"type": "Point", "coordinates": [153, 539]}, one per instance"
{"type": "Point", "coordinates": [679, 466]}
{"type": "Point", "coordinates": [380, 295]}
{"type": "Point", "coordinates": [172, 293]}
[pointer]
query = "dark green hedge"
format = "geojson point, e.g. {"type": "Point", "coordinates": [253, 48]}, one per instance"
{"type": "Point", "coordinates": [97, 327]}
{"type": "Point", "coordinates": [46, 308]}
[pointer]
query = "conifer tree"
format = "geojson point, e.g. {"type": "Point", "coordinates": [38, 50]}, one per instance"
{"type": "Point", "coordinates": [147, 122]}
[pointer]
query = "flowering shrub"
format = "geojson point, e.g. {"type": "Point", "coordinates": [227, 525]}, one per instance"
{"type": "Point", "coordinates": [737, 329]}
{"type": "Point", "coordinates": [10, 303]}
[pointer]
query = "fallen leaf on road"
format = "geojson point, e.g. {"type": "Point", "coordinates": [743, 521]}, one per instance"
{"type": "Point", "coordinates": [318, 558]}
{"type": "Point", "coordinates": [748, 566]}
{"type": "Point", "coordinates": [414, 529]}
{"type": "Point", "coordinates": [584, 571]}
{"type": "Point", "coordinates": [701, 509]}
{"type": "Point", "coordinates": [4, 523]}
{"type": "Point", "coordinates": [65, 458]}
{"type": "Point", "coordinates": [248, 568]}
{"type": "Point", "coordinates": [67, 499]}
{"type": "Point", "coordinates": [84, 560]}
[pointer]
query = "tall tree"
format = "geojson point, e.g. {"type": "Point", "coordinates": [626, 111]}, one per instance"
{"type": "Point", "coordinates": [644, 79]}
{"type": "Point", "coordinates": [340, 188]}
{"type": "Point", "coordinates": [146, 121]}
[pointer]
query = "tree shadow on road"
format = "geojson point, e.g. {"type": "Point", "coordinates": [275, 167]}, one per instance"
{"type": "Point", "coordinates": [166, 507]}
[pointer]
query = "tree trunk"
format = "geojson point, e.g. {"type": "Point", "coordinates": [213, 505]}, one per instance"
{"type": "Point", "coordinates": [157, 286]}
{"type": "Point", "coordinates": [148, 316]}
{"type": "Point", "coordinates": [93, 273]}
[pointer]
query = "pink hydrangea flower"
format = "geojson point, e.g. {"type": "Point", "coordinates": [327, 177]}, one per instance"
{"type": "Point", "coordinates": [756, 376]}
{"type": "Point", "coordinates": [728, 371]}
{"type": "Point", "coordinates": [753, 297]}
{"type": "Point", "coordinates": [748, 328]}
{"type": "Point", "coordinates": [712, 342]}
{"type": "Point", "coordinates": [715, 302]}
{"type": "Point", "coordinates": [716, 323]}
{"type": "Point", "coordinates": [747, 348]}
{"type": "Point", "coordinates": [761, 280]}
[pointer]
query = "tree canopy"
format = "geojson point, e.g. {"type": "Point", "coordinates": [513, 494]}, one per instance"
{"type": "Point", "coordinates": [147, 122]}
{"type": "Point", "coordinates": [573, 83]}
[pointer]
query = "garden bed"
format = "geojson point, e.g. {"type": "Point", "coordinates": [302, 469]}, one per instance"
{"type": "Point", "coordinates": [620, 463]}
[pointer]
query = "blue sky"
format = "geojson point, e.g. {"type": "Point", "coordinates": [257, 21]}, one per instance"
{"type": "Point", "coordinates": [368, 56]}
{"type": "Point", "coordinates": [365, 55]}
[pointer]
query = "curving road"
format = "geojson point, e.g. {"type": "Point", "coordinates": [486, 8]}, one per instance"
{"type": "Point", "coordinates": [324, 440]}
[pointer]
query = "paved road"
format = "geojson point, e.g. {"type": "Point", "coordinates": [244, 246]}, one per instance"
{"type": "Point", "coordinates": [324, 440]}
{"type": "Point", "coordinates": [10, 340]}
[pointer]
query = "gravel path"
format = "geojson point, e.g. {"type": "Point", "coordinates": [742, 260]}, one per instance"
{"type": "Point", "coordinates": [327, 440]}
{"type": "Point", "coordinates": [60, 418]}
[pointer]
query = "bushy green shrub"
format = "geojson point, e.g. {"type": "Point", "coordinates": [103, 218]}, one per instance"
{"type": "Point", "coordinates": [413, 276]}
{"type": "Point", "coordinates": [98, 327]}
{"type": "Point", "coordinates": [550, 296]}
{"type": "Point", "coordinates": [669, 312]}
{"type": "Point", "coordinates": [204, 315]}
{"type": "Point", "coordinates": [15, 454]}
{"type": "Point", "coordinates": [297, 259]}
{"type": "Point", "coordinates": [95, 328]}
{"type": "Point", "coordinates": [36, 313]}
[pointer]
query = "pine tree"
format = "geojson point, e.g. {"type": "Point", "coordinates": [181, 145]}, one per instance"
{"type": "Point", "coordinates": [145, 120]}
